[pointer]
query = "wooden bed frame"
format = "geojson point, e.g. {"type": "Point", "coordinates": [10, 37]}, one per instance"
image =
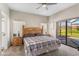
{"type": "Point", "coordinates": [31, 30]}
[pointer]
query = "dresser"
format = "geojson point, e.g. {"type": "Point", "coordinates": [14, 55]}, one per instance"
{"type": "Point", "coordinates": [16, 41]}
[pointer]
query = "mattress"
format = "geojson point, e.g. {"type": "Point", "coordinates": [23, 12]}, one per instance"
{"type": "Point", "coordinates": [40, 44]}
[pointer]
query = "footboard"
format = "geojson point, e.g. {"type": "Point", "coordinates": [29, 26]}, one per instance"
{"type": "Point", "coordinates": [41, 47]}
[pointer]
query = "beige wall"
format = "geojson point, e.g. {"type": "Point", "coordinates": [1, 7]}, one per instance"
{"type": "Point", "coordinates": [63, 15]}
{"type": "Point", "coordinates": [29, 19]}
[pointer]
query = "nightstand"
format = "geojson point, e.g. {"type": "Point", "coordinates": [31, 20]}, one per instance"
{"type": "Point", "coordinates": [16, 41]}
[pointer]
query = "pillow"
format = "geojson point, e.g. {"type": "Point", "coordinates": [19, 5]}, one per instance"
{"type": "Point", "coordinates": [38, 34]}
{"type": "Point", "coordinates": [29, 35]}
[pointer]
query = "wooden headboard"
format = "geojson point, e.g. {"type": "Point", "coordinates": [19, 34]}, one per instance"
{"type": "Point", "coordinates": [31, 30]}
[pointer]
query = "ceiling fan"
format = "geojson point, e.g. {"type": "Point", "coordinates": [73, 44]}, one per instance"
{"type": "Point", "coordinates": [45, 5]}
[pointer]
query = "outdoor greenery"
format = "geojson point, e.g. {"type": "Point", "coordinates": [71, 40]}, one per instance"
{"type": "Point", "coordinates": [70, 33]}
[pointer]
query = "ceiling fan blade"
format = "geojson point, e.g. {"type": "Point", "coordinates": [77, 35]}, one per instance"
{"type": "Point", "coordinates": [51, 3]}
{"type": "Point", "coordinates": [39, 7]}
{"type": "Point", "coordinates": [48, 3]}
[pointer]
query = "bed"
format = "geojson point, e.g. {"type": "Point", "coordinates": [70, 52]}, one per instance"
{"type": "Point", "coordinates": [35, 43]}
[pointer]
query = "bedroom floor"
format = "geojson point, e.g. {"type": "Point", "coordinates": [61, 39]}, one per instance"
{"type": "Point", "coordinates": [62, 51]}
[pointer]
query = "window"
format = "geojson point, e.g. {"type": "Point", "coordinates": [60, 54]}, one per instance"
{"type": "Point", "coordinates": [44, 27]}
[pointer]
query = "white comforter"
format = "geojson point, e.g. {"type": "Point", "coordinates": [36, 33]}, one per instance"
{"type": "Point", "coordinates": [40, 44]}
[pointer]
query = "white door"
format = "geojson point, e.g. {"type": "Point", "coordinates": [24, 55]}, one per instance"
{"type": "Point", "coordinates": [0, 33]}
{"type": "Point", "coordinates": [3, 31]}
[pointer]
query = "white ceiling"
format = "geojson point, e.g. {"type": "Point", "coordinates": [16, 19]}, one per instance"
{"type": "Point", "coordinates": [31, 8]}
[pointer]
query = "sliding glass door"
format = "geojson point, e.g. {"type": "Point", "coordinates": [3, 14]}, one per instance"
{"type": "Point", "coordinates": [73, 32]}
{"type": "Point", "coordinates": [68, 32]}
{"type": "Point", "coordinates": [61, 31]}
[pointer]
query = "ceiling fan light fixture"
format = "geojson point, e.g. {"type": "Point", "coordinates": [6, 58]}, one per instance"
{"type": "Point", "coordinates": [44, 5]}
